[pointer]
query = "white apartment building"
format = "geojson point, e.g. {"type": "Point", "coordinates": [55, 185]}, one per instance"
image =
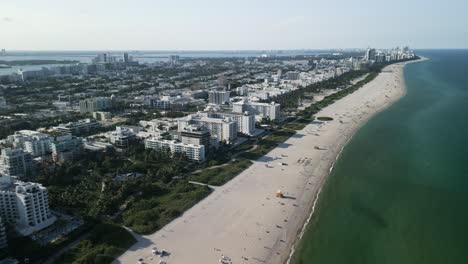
{"type": "Point", "coordinates": [218, 97]}
{"type": "Point", "coordinates": [79, 127]}
{"type": "Point", "coordinates": [36, 143]}
{"type": "Point", "coordinates": [245, 121]}
{"type": "Point", "coordinates": [66, 148]}
{"type": "Point", "coordinates": [261, 110]}
{"type": "Point", "coordinates": [192, 152]}
{"type": "Point", "coordinates": [95, 104]}
{"type": "Point", "coordinates": [26, 205]}
{"type": "Point", "coordinates": [122, 137]}
{"type": "Point", "coordinates": [224, 129]}
{"type": "Point", "coordinates": [15, 163]}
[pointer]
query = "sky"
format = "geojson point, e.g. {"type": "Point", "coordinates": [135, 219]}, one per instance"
{"type": "Point", "coordinates": [231, 25]}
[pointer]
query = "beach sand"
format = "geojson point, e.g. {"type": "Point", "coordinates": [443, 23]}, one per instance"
{"type": "Point", "coordinates": [243, 219]}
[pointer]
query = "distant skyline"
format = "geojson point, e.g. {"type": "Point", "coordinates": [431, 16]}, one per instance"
{"type": "Point", "coordinates": [231, 25]}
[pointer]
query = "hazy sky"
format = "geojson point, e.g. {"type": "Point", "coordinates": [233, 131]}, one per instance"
{"type": "Point", "coordinates": [235, 24]}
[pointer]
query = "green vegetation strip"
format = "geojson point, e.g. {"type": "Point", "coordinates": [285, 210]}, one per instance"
{"type": "Point", "coordinates": [159, 205]}
{"type": "Point", "coordinates": [104, 243]}
{"type": "Point", "coordinates": [220, 175]}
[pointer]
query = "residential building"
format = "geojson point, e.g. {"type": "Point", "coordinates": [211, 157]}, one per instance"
{"type": "Point", "coordinates": [34, 142]}
{"type": "Point", "coordinates": [192, 152]}
{"type": "Point", "coordinates": [95, 104]}
{"type": "Point", "coordinates": [102, 116]}
{"type": "Point", "coordinates": [370, 55]}
{"type": "Point", "coordinates": [218, 97]}
{"type": "Point", "coordinates": [261, 110]}
{"type": "Point", "coordinates": [3, 236]}
{"type": "Point", "coordinates": [293, 75]}
{"type": "Point", "coordinates": [196, 135]}
{"type": "Point", "coordinates": [15, 163]}
{"type": "Point", "coordinates": [26, 205]}
{"type": "Point", "coordinates": [66, 148]}
{"type": "Point", "coordinates": [79, 127]}
{"type": "Point", "coordinates": [122, 137]}
{"type": "Point", "coordinates": [245, 121]}
{"type": "Point", "coordinates": [224, 129]}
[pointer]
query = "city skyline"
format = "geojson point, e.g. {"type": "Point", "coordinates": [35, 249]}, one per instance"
{"type": "Point", "coordinates": [241, 25]}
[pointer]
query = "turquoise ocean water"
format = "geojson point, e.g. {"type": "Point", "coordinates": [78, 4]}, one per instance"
{"type": "Point", "coordinates": [399, 192]}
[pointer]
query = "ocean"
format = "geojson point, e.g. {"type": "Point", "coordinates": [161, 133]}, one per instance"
{"type": "Point", "coordinates": [399, 191]}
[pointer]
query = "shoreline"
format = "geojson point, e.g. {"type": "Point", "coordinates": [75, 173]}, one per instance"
{"type": "Point", "coordinates": [364, 122]}
{"type": "Point", "coordinates": [243, 219]}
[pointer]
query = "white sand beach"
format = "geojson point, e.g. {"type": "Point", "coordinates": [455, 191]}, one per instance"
{"type": "Point", "coordinates": [243, 219]}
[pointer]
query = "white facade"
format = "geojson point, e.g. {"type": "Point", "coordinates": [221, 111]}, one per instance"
{"type": "Point", "coordinates": [122, 136]}
{"type": "Point", "coordinates": [81, 126]}
{"type": "Point", "coordinates": [15, 163]}
{"type": "Point", "coordinates": [66, 148]}
{"type": "Point", "coordinates": [269, 110]}
{"type": "Point", "coordinates": [95, 104]}
{"type": "Point", "coordinates": [245, 121]}
{"type": "Point", "coordinates": [26, 205]}
{"type": "Point", "coordinates": [36, 143]}
{"type": "Point", "coordinates": [193, 152]}
{"type": "Point", "coordinates": [224, 129]}
{"type": "Point", "coordinates": [218, 97]}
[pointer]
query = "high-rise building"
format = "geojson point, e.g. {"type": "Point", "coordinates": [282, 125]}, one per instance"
{"type": "Point", "coordinates": [218, 97]}
{"type": "Point", "coordinates": [223, 129]}
{"type": "Point", "coordinates": [15, 163]}
{"type": "Point", "coordinates": [3, 237]}
{"type": "Point", "coordinates": [95, 104]}
{"type": "Point", "coordinates": [196, 135]}
{"type": "Point", "coordinates": [174, 59]}
{"type": "Point", "coordinates": [3, 53]}
{"type": "Point", "coordinates": [293, 75]}
{"type": "Point", "coordinates": [245, 121]}
{"type": "Point", "coordinates": [192, 152]}
{"type": "Point", "coordinates": [261, 110]}
{"type": "Point", "coordinates": [370, 55]}
{"type": "Point", "coordinates": [26, 205]}
{"type": "Point", "coordinates": [126, 58]}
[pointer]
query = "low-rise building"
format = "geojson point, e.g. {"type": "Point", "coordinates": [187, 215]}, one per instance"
{"type": "Point", "coordinates": [66, 148]}
{"type": "Point", "coordinates": [79, 127]}
{"type": "Point", "coordinates": [102, 116]}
